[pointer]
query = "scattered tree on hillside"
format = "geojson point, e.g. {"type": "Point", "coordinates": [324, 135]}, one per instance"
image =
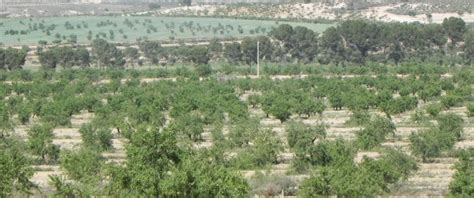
{"type": "Point", "coordinates": [107, 54]}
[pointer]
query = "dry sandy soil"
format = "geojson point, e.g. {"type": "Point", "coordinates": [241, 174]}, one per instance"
{"type": "Point", "coordinates": [308, 11]}
{"type": "Point", "coordinates": [432, 179]}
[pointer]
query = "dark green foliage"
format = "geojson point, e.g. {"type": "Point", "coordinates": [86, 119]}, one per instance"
{"type": "Point", "coordinates": [469, 47]}
{"type": "Point", "coordinates": [198, 55]}
{"type": "Point", "coordinates": [363, 36]}
{"type": "Point", "coordinates": [132, 55]}
{"type": "Point", "coordinates": [106, 54]}
{"type": "Point", "coordinates": [249, 49]}
{"type": "Point", "coordinates": [152, 50]}
{"type": "Point", "coordinates": [64, 57]}
{"type": "Point", "coordinates": [300, 42]}
{"type": "Point", "coordinates": [233, 53]}
{"type": "Point", "coordinates": [12, 59]}
{"type": "Point", "coordinates": [455, 28]}
{"type": "Point", "coordinates": [215, 46]}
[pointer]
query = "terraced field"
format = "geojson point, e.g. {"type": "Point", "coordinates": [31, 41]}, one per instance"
{"type": "Point", "coordinates": [127, 29]}
{"type": "Point", "coordinates": [432, 178]}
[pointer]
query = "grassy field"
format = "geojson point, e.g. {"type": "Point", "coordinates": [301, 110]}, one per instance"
{"type": "Point", "coordinates": [28, 31]}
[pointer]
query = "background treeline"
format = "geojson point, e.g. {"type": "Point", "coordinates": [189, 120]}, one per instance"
{"type": "Point", "coordinates": [350, 43]}
{"type": "Point", "coordinates": [11, 58]}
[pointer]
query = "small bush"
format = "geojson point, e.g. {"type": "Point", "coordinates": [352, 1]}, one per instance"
{"type": "Point", "coordinates": [470, 109]}
{"type": "Point", "coordinates": [96, 138]}
{"type": "Point", "coordinates": [433, 109]}
{"type": "Point", "coordinates": [80, 164]}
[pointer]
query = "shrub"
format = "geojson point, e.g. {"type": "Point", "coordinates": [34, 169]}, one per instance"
{"type": "Point", "coordinates": [96, 138]}
{"type": "Point", "coordinates": [450, 101]}
{"type": "Point", "coordinates": [374, 133]}
{"type": "Point", "coordinates": [203, 70]}
{"type": "Point", "coordinates": [80, 164]}
{"type": "Point", "coordinates": [452, 124]}
{"type": "Point", "coordinates": [470, 109]}
{"type": "Point", "coordinates": [463, 179]}
{"type": "Point", "coordinates": [425, 144]}
{"type": "Point", "coordinates": [359, 118]}
{"type": "Point", "coordinates": [24, 114]}
{"type": "Point", "coordinates": [15, 168]}
{"type": "Point", "coordinates": [301, 136]}
{"type": "Point", "coordinates": [433, 109]}
{"type": "Point", "coordinates": [40, 138]}
{"type": "Point", "coordinates": [371, 177]}
{"type": "Point", "coordinates": [432, 142]}
{"type": "Point", "coordinates": [265, 150]}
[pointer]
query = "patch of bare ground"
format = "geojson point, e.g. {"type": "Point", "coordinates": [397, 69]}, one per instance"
{"type": "Point", "coordinates": [70, 138]}
{"type": "Point", "coordinates": [346, 133]}
{"type": "Point", "coordinates": [404, 132]}
{"type": "Point", "coordinates": [311, 11]}
{"type": "Point", "coordinates": [117, 153]}
{"type": "Point", "coordinates": [461, 111]}
{"type": "Point", "coordinates": [41, 177]}
{"type": "Point", "coordinates": [270, 122]}
{"type": "Point", "coordinates": [432, 179]}
{"type": "Point", "coordinates": [84, 117]}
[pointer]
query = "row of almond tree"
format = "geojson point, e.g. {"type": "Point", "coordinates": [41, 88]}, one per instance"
{"type": "Point", "coordinates": [163, 123]}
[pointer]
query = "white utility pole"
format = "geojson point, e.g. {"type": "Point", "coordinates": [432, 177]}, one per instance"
{"type": "Point", "coordinates": [258, 58]}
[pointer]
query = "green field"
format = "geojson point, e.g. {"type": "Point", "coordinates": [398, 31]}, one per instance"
{"type": "Point", "coordinates": [28, 31]}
